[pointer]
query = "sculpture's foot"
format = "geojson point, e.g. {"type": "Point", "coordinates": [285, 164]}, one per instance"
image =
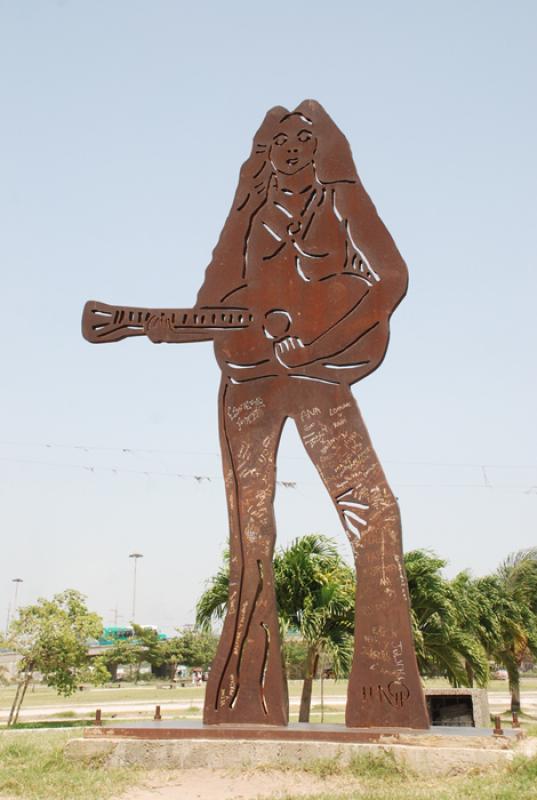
{"type": "Point", "coordinates": [385, 701]}
{"type": "Point", "coordinates": [251, 688]}
{"type": "Point", "coordinates": [249, 708]}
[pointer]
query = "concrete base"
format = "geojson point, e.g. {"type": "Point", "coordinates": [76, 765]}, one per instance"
{"type": "Point", "coordinates": [426, 754]}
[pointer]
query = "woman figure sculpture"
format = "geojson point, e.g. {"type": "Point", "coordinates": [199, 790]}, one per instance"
{"type": "Point", "coordinates": [304, 257]}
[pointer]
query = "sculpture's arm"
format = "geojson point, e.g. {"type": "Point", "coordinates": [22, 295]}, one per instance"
{"type": "Point", "coordinates": [160, 329]}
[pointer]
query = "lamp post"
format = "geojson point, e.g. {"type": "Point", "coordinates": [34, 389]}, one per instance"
{"type": "Point", "coordinates": [115, 612]}
{"type": "Point", "coordinates": [135, 556]}
{"type": "Point", "coordinates": [16, 581]}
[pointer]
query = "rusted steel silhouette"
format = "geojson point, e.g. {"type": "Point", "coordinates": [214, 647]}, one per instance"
{"type": "Point", "coordinates": [297, 299]}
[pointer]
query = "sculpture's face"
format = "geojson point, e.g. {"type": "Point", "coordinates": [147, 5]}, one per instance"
{"type": "Point", "coordinates": [293, 146]}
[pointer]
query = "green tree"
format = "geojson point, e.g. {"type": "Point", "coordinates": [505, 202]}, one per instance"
{"type": "Point", "coordinates": [477, 618]}
{"type": "Point", "coordinates": [196, 648]}
{"type": "Point", "coordinates": [212, 605]}
{"type": "Point", "coordinates": [446, 643]}
{"type": "Point", "coordinates": [295, 651]}
{"type": "Point", "coordinates": [191, 648]}
{"type": "Point", "coordinates": [514, 592]}
{"type": "Point", "coordinates": [458, 625]}
{"type": "Point", "coordinates": [51, 637]}
{"type": "Point", "coordinates": [151, 646]}
{"type": "Point", "coordinates": [123, 653]}
{"type": "Point", "coordinates": [172, 656]}
{"type": "Point", "coordinates": [145, 646]}
{"type": "Point", "coordinates": [315, 591]}
{"type": "Point", "coordinates": [495, 616]}
{"type": "Point", "coordinates": [315, 597]}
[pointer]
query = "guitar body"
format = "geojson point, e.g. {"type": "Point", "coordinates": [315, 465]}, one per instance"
{"type": "Point", "coordinates": [306, 311]}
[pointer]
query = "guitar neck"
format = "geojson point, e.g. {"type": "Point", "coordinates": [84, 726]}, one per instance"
{"type": "Point", "coordinates": [106, 323]}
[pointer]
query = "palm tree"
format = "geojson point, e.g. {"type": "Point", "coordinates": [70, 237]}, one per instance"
{"type": "Point", "coordinates": [478, 619]}
{"type": "Point", "coordinates": [445, 638]}
{"type": "Point", "coordinates": [315, 596]}
{"type": "Point", "coordinates": [514, 589]}
{"type": "Point", "coordinates": [212, 604]}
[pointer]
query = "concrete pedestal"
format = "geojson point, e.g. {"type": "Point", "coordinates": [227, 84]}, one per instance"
{"type": "Point", "coordinates": [184, 745]}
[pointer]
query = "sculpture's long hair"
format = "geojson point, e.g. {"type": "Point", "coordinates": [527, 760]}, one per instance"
{"type": "Point", "coordinates": [333, 164]}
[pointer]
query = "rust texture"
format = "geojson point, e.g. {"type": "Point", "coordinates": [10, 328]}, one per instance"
{"type": "Point", "coordinates": [297, 299]}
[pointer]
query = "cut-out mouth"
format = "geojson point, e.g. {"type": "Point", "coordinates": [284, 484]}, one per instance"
{"type": "Point", "coordinates": [292, 161]}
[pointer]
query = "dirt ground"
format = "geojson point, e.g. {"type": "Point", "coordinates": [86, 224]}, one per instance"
{"type": "Point", "coordinates": [208, 784]}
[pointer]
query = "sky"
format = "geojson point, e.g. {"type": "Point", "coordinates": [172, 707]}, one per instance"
{"type": "Point", "coordinates": [123, 128]}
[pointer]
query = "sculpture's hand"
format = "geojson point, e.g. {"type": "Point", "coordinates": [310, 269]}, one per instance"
{"type": "Point", "coordinates": [292, 352]}
{"type": "Point", "coordinates": [158, 328]}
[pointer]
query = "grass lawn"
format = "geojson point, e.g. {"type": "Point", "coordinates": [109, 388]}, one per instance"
{"type": "Point", "coordinates": [43, 696]}
{"type": "Point", "coordinates": [159, 693]}
{"type": "Point", "coordinates": [33, 767]}
{"type": "Point", "coordinates": [380, 778]}
{"type": "Point", "coordinates": [526, 685]}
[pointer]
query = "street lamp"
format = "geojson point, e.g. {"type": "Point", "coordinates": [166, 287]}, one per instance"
{"type": "Point", "coordinates": [115, 612]}
{"type": "Point", "coordinates": [16, 581]}
{"type": "Point", "coordinates": [135, 556]}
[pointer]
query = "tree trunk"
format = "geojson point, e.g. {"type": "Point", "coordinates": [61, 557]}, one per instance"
{"type": "Point", "coordinates": [21, 699]}
{"type": "Point", "coordinates": [514, 688]}
{"type": "Point", "coordinates": [14, 704]}
{"type": "Point", "coordinates": [18, 700]}
{"type": "Point", "coordinates": [312, 660]}
{"type": "Point", "coordinates": [469, 673]}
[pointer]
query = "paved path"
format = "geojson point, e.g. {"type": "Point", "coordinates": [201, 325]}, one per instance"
{"type": "Point", "coordinates": [498, 701]}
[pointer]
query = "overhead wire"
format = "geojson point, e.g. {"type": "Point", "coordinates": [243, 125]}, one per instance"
{"type": "Point", "coordinates": [486, 483]}
{"type": "Point", "coordinates": [175, 451]}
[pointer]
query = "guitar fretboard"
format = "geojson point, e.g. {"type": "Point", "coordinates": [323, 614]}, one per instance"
{"type": "Point", "coordinates": [105, 323]}
{"type": "Point", "coordinates": [210, 318]}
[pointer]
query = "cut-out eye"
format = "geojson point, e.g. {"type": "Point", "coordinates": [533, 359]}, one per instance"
{"type": "Point", "coordinates": [280, 139]}
{"type": "Point", "coordinates": [304, 136]}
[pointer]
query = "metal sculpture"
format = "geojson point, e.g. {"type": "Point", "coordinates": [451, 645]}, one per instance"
{"type": "Point", "coordinates": [297, 299]}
